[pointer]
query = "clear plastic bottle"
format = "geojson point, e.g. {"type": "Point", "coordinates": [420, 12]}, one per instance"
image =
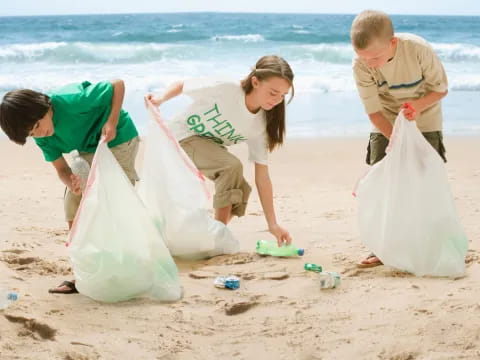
{"type": "Point", "coordinates": [267, 247]}
{"type": "Point", "coordinates": [6, 298]}
{"type": "Point", "coordinates": [80, 167]}
{"type": "Point", "coordinates": [329, 279]}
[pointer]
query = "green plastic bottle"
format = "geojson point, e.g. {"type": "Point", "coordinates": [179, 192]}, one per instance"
{"type": "Point", "coordinates": [313, 267]}
{"type": "Point", "coordinates": [266, 247]}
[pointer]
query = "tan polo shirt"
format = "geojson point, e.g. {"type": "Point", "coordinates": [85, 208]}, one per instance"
{"type": "Point", "coordinates": [414, 71]}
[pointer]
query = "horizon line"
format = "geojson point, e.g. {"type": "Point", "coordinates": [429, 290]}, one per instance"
{"type": "Point", "coordinates": [229, 12]}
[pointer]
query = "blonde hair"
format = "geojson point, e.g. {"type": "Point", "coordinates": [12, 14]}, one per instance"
{"type": "Point", "coordinates": [370, 25]}
{"type": "Point", "coordinates": [267, 67]}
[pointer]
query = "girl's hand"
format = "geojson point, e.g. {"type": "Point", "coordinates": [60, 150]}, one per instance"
{"type": "Point", "coordinates": [155, 100]}
{"type": "Point", "coordinates": [75, 187]}
{"type": "Point", "coordinates": [282, 235]}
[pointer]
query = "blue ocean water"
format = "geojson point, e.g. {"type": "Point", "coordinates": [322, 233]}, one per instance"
{"type": "Point", "coordinates": [149, 51]}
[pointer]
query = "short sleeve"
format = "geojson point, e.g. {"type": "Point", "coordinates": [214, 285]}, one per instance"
{"type": "Point", "coordinates": [258, 149]}
{"type": "Point", "coordinates": [50, 152]}
{"type": "Point", "coordinates": [432, 69]}
{"type": "Point", "coordinates": [367, 88]}
{"type": "Point", "coordinates": [86, 96]}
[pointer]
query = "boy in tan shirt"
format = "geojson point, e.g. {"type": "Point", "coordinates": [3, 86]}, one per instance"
{"type": "Point", "coordinates": [391, 70]}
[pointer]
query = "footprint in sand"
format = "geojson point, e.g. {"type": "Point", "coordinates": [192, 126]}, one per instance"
{"type": "Point", "coordinates": [473, 257]}
{"type": "Point", "coordinates": [32, 327]}
{"type": "Point", "coordinates": [397, 273]}
{"type": "Point", "coordinates": [239, 307]}
{"type": "Point", "coordinates": [277, 275]}
{"type": "Point", "coordinates": [404, 355]}
{"type": "Point", "coordinates": [353, 271]}
{"type": "Point", "coordinates": [80, 355]}
{"type": "Point", "coordinates": [34, 265]}
{"type": "Point", "coordinates": [234, 259]}
{"type": "Point", "coordinates": [15, 251]}
{"type": "Point", "coordinates": [334, 215]}
{"type": "Point", "coordinates": [201, 274]}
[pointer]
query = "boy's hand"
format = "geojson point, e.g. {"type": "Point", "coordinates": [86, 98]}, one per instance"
{"type": "Point", "coordinates": [409, 111]}
{"type": "Point", "coordinates": [282, 235]}
{"type": "Point", "coordinates": [155, 100]}
{"type": "Point", "coordinates": [109, 131]}
{"type": "Point", "coordinates": [75, 187]}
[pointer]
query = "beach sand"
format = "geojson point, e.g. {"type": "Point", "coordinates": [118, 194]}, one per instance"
{"type": "Point", "coordinates": [279, 312]}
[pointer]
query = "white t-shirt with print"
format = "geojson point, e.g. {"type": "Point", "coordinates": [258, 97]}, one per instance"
{"type": "Point", "coordinates": [218, 111]}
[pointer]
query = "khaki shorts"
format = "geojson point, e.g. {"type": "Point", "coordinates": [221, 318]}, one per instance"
{"type": "Point", "coordinates": [378, 143]}
{"type": "Point", "coordinates": [124, 153]}
{"type": "Point", "coordinates": [220, 166]}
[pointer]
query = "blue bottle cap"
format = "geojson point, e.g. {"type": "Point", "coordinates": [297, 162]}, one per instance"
{"type": "Point", "coordinates": [300, 252]}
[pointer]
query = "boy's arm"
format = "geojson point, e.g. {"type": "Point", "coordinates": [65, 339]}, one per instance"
{"type": "Point", "coordinates": [71, 181]}
{"type": "Point", "coordinates": [110, 128]}
{"type": "Point", "coordinates": [265, 193]}
{"type": "Point", "coordinates": [435, 79]}
{"type": "Point", "coordinates": [381, 123]}
{"type": "Point", "coordinates": [423, 103]}
{"type": "Point", "coordinates": [368, 90]}
{"type": "Point", "coordinates": [172, 91]}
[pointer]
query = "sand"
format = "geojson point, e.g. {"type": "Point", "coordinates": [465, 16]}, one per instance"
{"type": "Point", "coordinates": [279, 312]}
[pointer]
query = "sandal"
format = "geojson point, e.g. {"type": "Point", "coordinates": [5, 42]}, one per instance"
{"type": "Point", "coordinates": [69, 285]}
{"type": "Point", "coordinates": [368, 264]}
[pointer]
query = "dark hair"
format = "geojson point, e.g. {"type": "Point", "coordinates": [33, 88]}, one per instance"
{"type": "Point", "coordinates": [20, 110]}
{"type": "Point", "coordinates": [267, 67]}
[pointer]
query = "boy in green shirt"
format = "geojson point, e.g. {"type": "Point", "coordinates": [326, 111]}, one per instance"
{"type": "Point", "coordinates": [73, 117]}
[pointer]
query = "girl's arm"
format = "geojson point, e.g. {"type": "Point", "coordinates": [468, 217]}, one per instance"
{"type": "Point", "coordinates": [265, 192]}
{"type": "Point", "coordinates": [173, 90]}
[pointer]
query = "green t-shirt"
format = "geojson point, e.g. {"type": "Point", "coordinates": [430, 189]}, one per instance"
{"type": "Point", "coordinates": [79, 113]}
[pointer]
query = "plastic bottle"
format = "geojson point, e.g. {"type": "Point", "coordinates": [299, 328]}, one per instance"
{"type": "Point", "coordinates": [329, 279]}
{"type": "Point", "coordinates": [266, 247]}
{"type": "Point", "coordinates": [6, 298]}
{"type": "Point", "coordinates": [313, 267]}
{"type": "Point", "coordinates": [227, 282]}
{"type": "Point", "coordinates": [80, 167]}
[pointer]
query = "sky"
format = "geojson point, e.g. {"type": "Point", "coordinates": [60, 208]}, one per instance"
{"type": "Point", "coordinates": [61, 7]}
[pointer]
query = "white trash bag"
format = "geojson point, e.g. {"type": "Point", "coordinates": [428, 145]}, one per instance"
{"type": "Point", "coordinates": [406, 211]}
{"type": "Point", "coordinates": [175, 194]}
{"type": "Point", "coordinates": [116, 250]}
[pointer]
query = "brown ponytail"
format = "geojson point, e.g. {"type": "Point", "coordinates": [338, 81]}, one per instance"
{"type": "Point", "coordinates": [267, 67]}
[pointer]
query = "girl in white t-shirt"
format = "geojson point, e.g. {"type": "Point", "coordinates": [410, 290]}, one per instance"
{"type": "Point", "coordinates": [224, 113]}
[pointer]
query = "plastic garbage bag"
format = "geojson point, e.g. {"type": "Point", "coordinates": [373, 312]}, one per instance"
{"type": "Point", "coordinates": [116, 250]}
{"type": "Point", "coordinates": [407, 215]}
{"type": "Point", "coordinates": [175, 194]}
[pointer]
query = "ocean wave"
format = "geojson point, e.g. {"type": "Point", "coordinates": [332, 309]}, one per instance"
{"type": "Point", "coordinates": [457, 52]}
{"type": "Point", "coordinates": [470, 82]}
{"type": "Point", "coordinates": [86, 52]}
{"type": "Point", "coordinates": [83, 52]}
{"type": "Point", "coordinates": [302, 32]}
{"type": "Point", "coordinates": [244, 38]}
{"type": "Point", "coordinates": [324, 53]}
{"type": "Point", "coordinates": [460, 57]}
